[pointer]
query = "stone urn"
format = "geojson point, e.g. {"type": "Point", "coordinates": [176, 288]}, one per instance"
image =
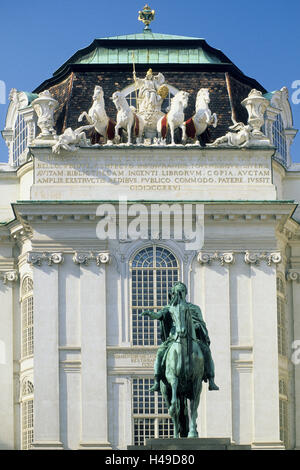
{"type": "Point", "coordinates": [256, 106]}
{"type": "Point", "coordinates": [44, 106]}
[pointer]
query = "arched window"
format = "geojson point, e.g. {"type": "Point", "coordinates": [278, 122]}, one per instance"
{"type": "Point", "coordinates": [19, 139]}
{"type": "Point", "coordinates": [27, 414]}
{"type": "Point", "coordinates": [153, 272]}
{"type": "Point", "coordinates": [281, 317]}
{"type": "Point", "coordinates": [279, 139]}
{"type": "Point", "coordinates": [283, 411]}
{"type": "Point", "coordinates": [27, 317]}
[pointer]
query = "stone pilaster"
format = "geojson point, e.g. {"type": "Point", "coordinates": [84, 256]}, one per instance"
{"type": "Point", "coordinates": [8, 279]}
{"type": "Point", "coordinates": [94, 405]}
{"type": "Point", "coordinates": [265, 357]}
{"type": "Point", "coordinates": [46, 352]}
{"type": "Point", "coordinates": [293, 275]}
{"type": "Point", "coordinates": [216, 312]}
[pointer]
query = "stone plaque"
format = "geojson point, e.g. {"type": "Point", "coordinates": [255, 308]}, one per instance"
{"type": "Point", "coordinates": [154, 174]}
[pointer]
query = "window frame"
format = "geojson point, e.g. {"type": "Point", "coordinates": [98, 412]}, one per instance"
{"type": "Point", "coordinates": [281, 316]}
{"type": "Point", "coordinates": [146, 323]}
{"type": "Point", "coordinates": [27, 318]}
{"type": "Point", "coordinates": [279, 139]}
{"type": "Point", "coordinates": [283, 411]}
{"type": "Point", "coordinates": [27, 411]}
{"type": "Point", "coordinates": [20, 138]}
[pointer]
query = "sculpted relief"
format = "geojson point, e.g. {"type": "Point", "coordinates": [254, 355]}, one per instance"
{"type": "Point", "coordinates": [147, 124]}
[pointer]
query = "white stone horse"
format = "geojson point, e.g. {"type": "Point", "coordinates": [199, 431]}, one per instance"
{"type": "Point", "coordinates": [97, 117]}
{"type": "Point", "coordinates": [203, 117]}
{"type": "Point", "coordinates": [127, 119]}
{"type": "Point", "coordinates": [174, 118]}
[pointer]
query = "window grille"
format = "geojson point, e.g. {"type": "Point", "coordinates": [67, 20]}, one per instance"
{"type": "Point", "coordinates": [27, 415]}
{"type": "Point", "coordinates": [27, 317]}
{"type": "Point", "coordinates": [281, 318]}
{"type": "Point", "coordinates": [283, 412]}
{"type": "Point", "coordinates": [279, 139]}
{"type": "Point", "coordinates": [150, 415]}
{"type": "Point", "coordinates": [153, 272]}
{"type": "Point", "coordinates": [20, 139]}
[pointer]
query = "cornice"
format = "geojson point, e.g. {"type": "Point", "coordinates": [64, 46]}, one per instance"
{"type": "Point", "coordinates": [77, 211]}
{"type": "Point", "coordinates": [20, 231]}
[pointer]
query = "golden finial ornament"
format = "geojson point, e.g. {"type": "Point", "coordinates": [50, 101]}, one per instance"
{"type": "Point", "coordinates": [146, 15]}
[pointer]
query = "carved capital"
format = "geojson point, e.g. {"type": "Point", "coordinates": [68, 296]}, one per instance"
{"type": "Point", "coordinates": [39, 258]}
{"type": "Point", "coordinates": [102, 258]}
{"type": "Point", "coordinates": [9, 276]}
{"type": "Point", "coordinates": [293, 275]}
{"type": "Point", "coordinates": [223, 258]}
{"type": "Point", "coordinates": [85, 258]}
{"type": "Point", "coordinates": [256, 258]}
{"type": "Point", "coordinates": [203, 258]}
{"type": "Point", "coordinates": [81, 258]}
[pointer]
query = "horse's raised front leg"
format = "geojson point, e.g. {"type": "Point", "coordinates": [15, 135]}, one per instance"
{"type": "Point", "coordinates": [88, 118]}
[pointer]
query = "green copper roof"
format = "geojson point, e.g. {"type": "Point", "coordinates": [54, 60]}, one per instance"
{"type": "Point", "coordinates": [180, 53]}
{"type": "Point", "coordinates": [147, 48]}
{"type": "Point", "coordinates": [146, 35]}
{"type": "Point", "coordinates": [148, 55]}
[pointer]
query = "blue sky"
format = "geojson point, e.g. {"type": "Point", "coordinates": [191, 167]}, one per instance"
{"type": "Point", "coordinates": [261, 37]}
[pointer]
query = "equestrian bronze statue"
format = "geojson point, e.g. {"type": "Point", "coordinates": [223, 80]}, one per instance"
{"type": "Point", "coordinates": [183, 360]}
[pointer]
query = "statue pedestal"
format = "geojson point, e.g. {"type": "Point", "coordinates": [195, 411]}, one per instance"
{"type": "Point", "coordinates": [189, 444]}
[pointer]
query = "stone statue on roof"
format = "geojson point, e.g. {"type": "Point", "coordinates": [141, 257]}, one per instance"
{"type": "Point", "coordinates": [149, 95]}
{"type": "Point", "coordinates": [151, 92]}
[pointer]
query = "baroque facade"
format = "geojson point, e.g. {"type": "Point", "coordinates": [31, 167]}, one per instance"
{"type": "Point", "coordinates": [76, 358]}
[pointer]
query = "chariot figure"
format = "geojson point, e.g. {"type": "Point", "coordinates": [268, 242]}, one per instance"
{"type": "Point", "coordinates": [148, 91]}
{"type": "Point", "coordinates": [177, 296]}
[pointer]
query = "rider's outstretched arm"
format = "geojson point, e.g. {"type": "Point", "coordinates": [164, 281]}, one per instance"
{"type": "Point", "coordinates": [155, 315]}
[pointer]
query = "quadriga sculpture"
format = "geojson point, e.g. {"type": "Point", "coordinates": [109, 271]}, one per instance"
{"type": "Point", "coordinates": [97, 117]}
{"type": "Point", "coordinates": [127, 119]}
{"type": "Point", "coordinates": [174, 118]}
{"type": "Point", "coordinates": [183, 360]}
{"type": "Point", "coordinates": [197, 125]}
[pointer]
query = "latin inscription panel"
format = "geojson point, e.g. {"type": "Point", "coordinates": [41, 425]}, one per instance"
{"type": "Point", "coordinates": [152, 173]}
